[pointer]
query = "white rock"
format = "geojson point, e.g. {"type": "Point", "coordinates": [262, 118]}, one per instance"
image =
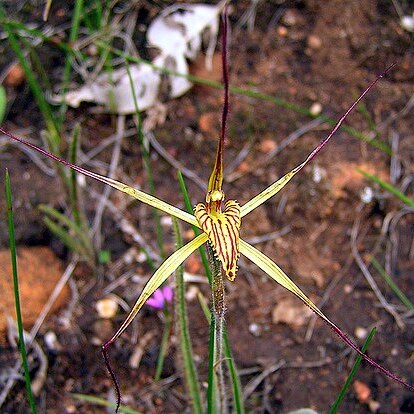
{"type": "Point", "coordinates": [106, 308]}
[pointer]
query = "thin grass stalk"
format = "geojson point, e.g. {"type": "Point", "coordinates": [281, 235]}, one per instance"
{"type": "Point", "coordinates": [12, 241]}
{"type": "Point", "coordinates": [197, 232]}
{"type": "Point", "coordinates": [354, 370]}
{"type": "Point", "coordinates": [37, 64]}
{"type": "Point", "coordinates": [388, 187]}
{"type": "Point", "coordinates": [164, 343]}
{"type": "Point", "coordinates": [212, 381]}
{"type": "Point", "coordinates": [73, 190]}
{"type": "Point", "coordinates": [390, 282]}
{"type": "Point", "coordinates": [3, 103]}
{"type": "Point", "coordinates": [234, 376]}
{"type": "Point", "coordinates": [186, 349]}
{"type": "Point", "coordinates": [74, 30]}
{"type": "Point", "coordinates": [80, 243]}
{"type": "Point", "coordinates": [77, 212]}
{"type": "Point", "coordinates": [34, 86]}
{"type": "Point", "coordinates": [104, 403]}
{"type": "Point", "coordinates": [217, 397]}
{"type": "Point", "coordinates": [236, 384]}
{"type": "Point", "coordinates": [147, 164]}
{"type": "Point", "coordinates": [362, 108]}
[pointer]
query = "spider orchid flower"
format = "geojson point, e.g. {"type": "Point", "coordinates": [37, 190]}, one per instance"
{"type": "Point", "coordinates": [220, 222]}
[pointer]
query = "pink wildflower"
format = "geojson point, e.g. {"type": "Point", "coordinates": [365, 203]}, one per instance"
{"type": "Point", "coordinates": [160, 297]}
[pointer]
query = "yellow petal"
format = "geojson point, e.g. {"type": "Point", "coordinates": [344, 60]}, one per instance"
{"type": "Point", "coordinates": [148, 199]}
{"type": "Point", "coordinates": [139, 195]}
{"type": "Point", "coordinates": [160, 276]}
{"type": "Point", "coordinates": [223, 230]}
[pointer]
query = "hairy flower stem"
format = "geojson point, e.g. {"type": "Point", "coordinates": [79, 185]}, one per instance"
{"type": "Point", "coordinates": [218, 312]}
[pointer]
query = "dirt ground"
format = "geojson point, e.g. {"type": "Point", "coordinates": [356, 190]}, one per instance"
{"type": "Point", "coordinates": [331, 219]}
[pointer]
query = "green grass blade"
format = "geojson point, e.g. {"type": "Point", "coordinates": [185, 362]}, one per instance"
{"type": "Point", "coordinates": [147, 164]}
{"type": "Point", "coordinates": [30, 397]}
{"type": "Point", "coordinates": [74, 30]}
{"type": "Point", "coordinates": [104, 403]}
{"type": "Point", "coordinates": [35, 32]}
{"type": "Point", "coordinates": [234, 376]}
{"type": "Point", "coordinates": [34, 86]}
{"type": "Point", "coordinates": [164, 344]}
{"type": "Point", "coordinates": [212, 382]}
{"type": "Point", "coordinates": [388, 279]}
{"type": "Point", "coordinates": [186, 349]}
{"type": "Point", "coordinates": [37, 65]}
{"type": "Point", "coordinates": [73, 190]}
{"type": "Point", "coordinates": [351, 375]}
{"type": "Point", "coordinates": [388, 187]}
{"type": "Point", "coordinates": [64, 236]}
{"type": "Point", "coordinates": [362, 108]}
{"type": "Point", "coordinates": [79, 232]}
{"type": "Point", "coordinates": [3, 103]}
{"type": "Point", "coordinates": [189, 208]}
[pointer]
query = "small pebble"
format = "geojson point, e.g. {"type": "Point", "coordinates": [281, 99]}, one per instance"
{"type": "Point", "coordinates": [407, 23]}
{"type": "Point", "coordinates": [316, 108]}
{"type": "Point", "coordinates": [141, 257]}
{"type": "Point", "coordinates": [166, 221]}
{"type": "Point", "coordinates": [360, 332]}
{"type": "Point", "coordinates": [255, 329]}
{"type": "Point", "coordinates": [193, 265]}
{"type": "Point", "coordinates": [106, 308]}
{"type": "Point", "coordinates": [362, 391]}
{"type": "Point", "coordinates": [267, 145]}
{"type": "Point", "coordinates": [51, 341]}
{"type": "Point", "coordinates": [15, 77]}
{"type": "Point", "coordinates": [367, 195]}
{"type": "Point", "coordinates": [192, 293]}
{"type": "Point", "coordinates": [374, 406]}
{"type": "Point", "coordinates": [282, 31]}
{"type": "Point", "coordinates": [289, 18]}
{"type": "Point", "coordinates": [314, 42]}
{"type": "Point", "coordinates": [318, 173]}
{"type": "Point", "coordinates": [348, 289]}
{"type": "Point", "coordinates": [208, 121]}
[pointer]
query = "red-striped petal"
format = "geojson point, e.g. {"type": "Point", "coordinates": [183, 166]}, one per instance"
{"type": "Point", "coordinates": [223, 231]}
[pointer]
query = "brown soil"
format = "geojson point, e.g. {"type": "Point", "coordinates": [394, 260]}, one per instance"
{"type": "Point", "coordinates": [316, 52]}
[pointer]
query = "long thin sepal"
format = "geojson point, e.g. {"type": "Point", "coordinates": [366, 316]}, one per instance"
{"type": "Point", "coordinates": [156, 280]}
{"type": "Point", "coordinates": [277, 274]}
{"type": "Point", "coordinates": [139, 195]}
{"type": "Point", "coordinates": [279, 184]}
{"type": "Point", "coordinates": [216, 178]}
{"type": "Point", "coordinates": [160, 276]}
